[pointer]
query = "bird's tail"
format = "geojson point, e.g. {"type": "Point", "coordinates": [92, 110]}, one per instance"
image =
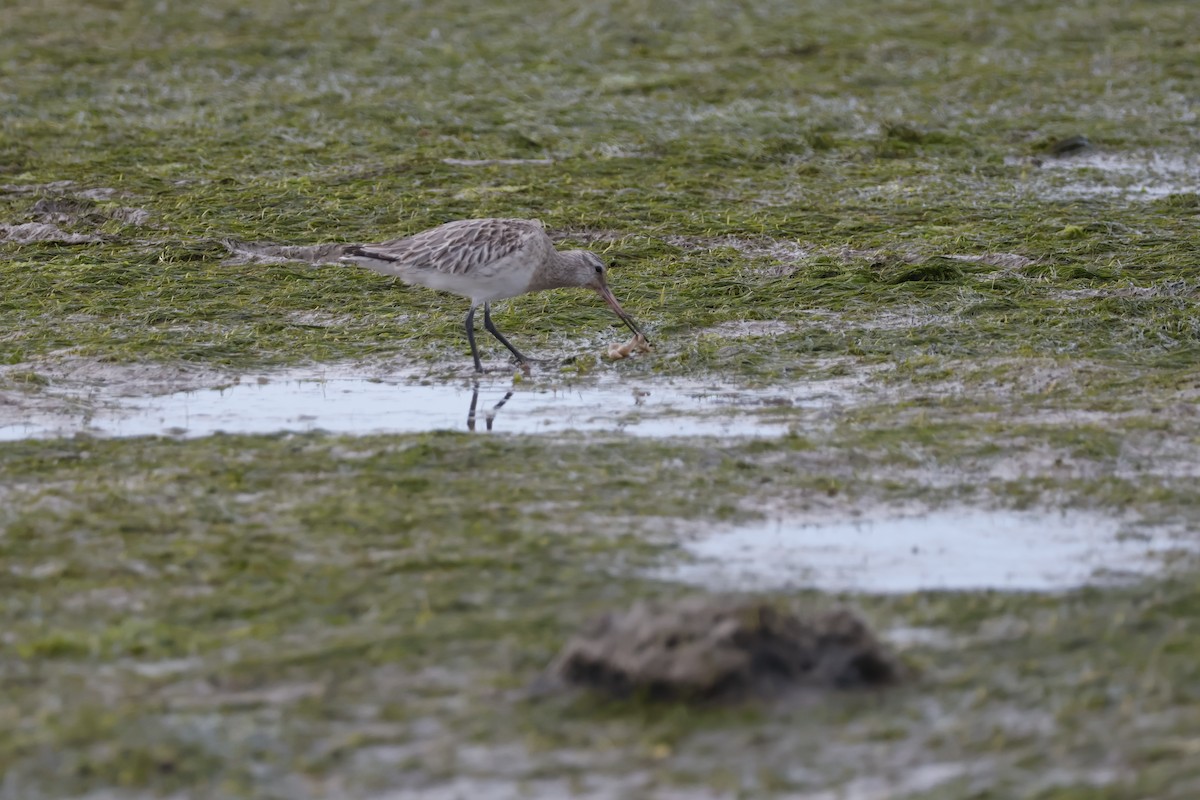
{"type": "Point", "coordinates": [257, 252]}
{"type": "Point", "coordinates": [357, 251]}
{"type": "Point", "coordinates": [373, 259]}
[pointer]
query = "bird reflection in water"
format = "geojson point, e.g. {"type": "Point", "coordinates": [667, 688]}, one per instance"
{"type": "Point", "coordinates": [488, 416]}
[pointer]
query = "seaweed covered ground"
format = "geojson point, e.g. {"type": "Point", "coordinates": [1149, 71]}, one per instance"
{"type": "Point", "coordinates": [978, 219]}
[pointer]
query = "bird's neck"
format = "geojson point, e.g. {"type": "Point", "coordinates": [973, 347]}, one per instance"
{"type": "Point", "coordinates": [560, 269]}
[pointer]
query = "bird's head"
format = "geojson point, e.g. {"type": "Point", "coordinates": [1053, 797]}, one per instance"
{"type": "Point", "coordinates": [592, 273]}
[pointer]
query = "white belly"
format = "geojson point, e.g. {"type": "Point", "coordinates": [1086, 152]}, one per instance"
{"type": "Point", "coordinates": [505, 278]}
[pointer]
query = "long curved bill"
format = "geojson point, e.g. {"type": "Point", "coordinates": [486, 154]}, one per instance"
{"type": "Point", "coordinates": [607, 294]}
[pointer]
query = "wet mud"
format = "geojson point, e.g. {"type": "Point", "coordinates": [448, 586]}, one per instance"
{"type": "Point", "coordinates": [64, 213]}
{"type": "Point", "coordinates": [705, 648]}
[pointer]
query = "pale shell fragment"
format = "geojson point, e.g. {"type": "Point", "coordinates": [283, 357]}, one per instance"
{"type": "Point", "coordinates": [637, 344]}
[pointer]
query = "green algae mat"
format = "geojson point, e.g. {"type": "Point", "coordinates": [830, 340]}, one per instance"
{"type": "Point", "coordinates": [981, 220]}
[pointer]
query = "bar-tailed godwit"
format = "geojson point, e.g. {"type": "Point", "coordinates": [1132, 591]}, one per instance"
{"type": "Point", "coordinates": [485, 260]}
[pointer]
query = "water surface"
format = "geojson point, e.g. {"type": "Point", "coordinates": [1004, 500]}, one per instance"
{"type": "Point", "coordinates": [352, 404]}
{"type": "Point", "coordinates": [948, 550]}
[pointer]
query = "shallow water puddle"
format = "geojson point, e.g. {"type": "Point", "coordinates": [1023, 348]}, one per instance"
{"type": "Point", "coordinates": [948, 550]}
{"type": "Point", "coordinates": [356, 405]}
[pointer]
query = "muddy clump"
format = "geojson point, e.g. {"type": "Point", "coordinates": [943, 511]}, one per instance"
{"type": "Point", "coordinates": [51, 217]}
{"type": "Point", "coordinates": [30, 232]}
{"type": "Point", "coordinates": [62, 210]}
{"type": "Point", "coordinates": [715, 649]}
{"type": "Point", "coordinates": [1072, 145]}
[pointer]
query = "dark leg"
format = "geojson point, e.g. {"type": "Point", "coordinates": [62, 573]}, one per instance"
{"type": "Point", "coordinates": [471, 337]}
{"type": "Point", "coordinates": [471, 410]}
{"type": "Point", "coordinates": [488, 416]}
{"type": "Point", "coordinates": [487, 323]}
{"type": "Point", "coordinates": [492, 415]}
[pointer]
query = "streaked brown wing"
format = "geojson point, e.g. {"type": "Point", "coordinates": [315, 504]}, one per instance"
{"type": "Point", "coordinates": [459, 247]}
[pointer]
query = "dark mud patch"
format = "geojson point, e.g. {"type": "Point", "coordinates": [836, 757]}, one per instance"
{"type": "Point", "coordinates": [59, 210]}
{"type": "Point", "coordinates": [80, 210]}
{"type": "Point", "coordinates": [719, 649]}
{"type": "Point", "coordinates": [66, 215]}
{"type": "Point", "coordinates": [1070, 146]}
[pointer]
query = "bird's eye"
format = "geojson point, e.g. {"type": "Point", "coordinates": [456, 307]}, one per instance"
{"type": "Point", "coordinates": [599, 269]}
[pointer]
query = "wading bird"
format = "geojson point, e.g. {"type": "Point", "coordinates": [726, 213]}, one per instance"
{"type": "Point", "coordinates": [485, 260]}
